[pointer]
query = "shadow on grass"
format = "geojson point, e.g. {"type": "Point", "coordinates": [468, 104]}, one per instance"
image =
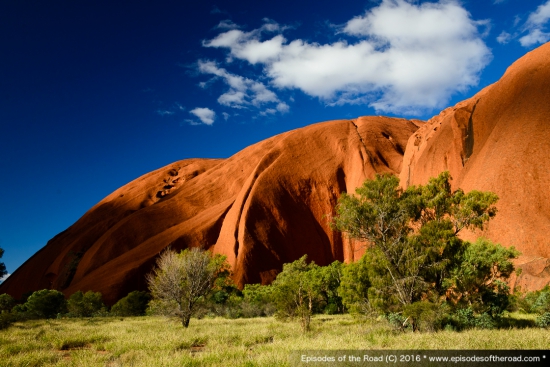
{"type": "Point", "coordinates": [516, 323]}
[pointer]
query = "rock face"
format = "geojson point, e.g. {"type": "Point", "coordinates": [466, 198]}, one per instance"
{"type": "Point", "coordinates": [267, 205]}
{"type": "Point", "coordinates": [499, 141]}
{"type": "Point", "coordinates": [270, 203]}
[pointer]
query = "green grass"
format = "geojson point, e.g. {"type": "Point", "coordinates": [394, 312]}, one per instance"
{"type": "Point", "coordinates": [156, 341]}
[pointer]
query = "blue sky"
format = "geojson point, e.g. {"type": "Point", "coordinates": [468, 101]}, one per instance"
{"type": "Point", "coordinates": [94, 94]}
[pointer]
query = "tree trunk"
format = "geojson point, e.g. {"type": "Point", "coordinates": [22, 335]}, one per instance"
{"type": "Point", "coordinates": [185, 321]}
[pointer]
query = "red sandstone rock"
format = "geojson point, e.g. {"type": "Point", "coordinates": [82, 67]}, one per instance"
{"type": "Point", "coordinates": [271, 202]}
{"type": "Point", "coordinates": [499, 141]}
{"type": "Point", "coordinates": [266, 205]}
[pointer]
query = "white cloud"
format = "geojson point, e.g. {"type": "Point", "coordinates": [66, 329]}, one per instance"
{"type": "Point", "coordinates": [535, 26]}
{"type": "Point", "coordinates": [227, 24]}
{"type": "Point", "coordinates": [540, 16]}
{"type": "Point", "coordinates": [247, 45]}
{"type": "Point", "coordinates": [206, 115]}
{"type": "Point", "coordinates": [534, 37]}
{"type": "Point", "coordinates": [268, 111]}
{"type": "Point", "coordinates": [282, 107]}
{"type": "Point", "coordinates": [504, 37]}
{"type": "Point", "coordinates": [243, 92]}
{"type": "Point", "coordinates": [406, 58]}
{"type": "Point", "coordinates": [171, 111]}
{"type": "Point", "coordinates": [4, 278]}
{"type": "Point", "coordinates": [165, 112]}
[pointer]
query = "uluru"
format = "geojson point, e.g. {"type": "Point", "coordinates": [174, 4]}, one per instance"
{"type": "Point", "coordinates": [271, 203]}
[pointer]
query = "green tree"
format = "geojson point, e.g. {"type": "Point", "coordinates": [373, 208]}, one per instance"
{"type": "Point", "coordinates": [411, 237]}
{"type": "Point", "coordinates": [354, 287]}
{"type": "Point", "coordinates": [46, 304]}
{"type": "Point", "coordinates": [257, 300]}
{"type": "Point", "coordinates": [477, 282]}
{"type": "Point", "coordinates": [6, 302]}
{"type": "Point", "coordinates": [181, 280]}
{"type": "Point", "coordinates": [331, 278]}
{"type": "Point", "coordinates": [85, 304]}
{"type": "Point", "coordinates": [3, 270]}
{"type": "Point", "coordinates": [296, 290]}
{"type": "Point", "coordinates": [134, 304]}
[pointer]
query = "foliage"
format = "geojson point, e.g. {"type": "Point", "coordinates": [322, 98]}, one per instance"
{"type": "Point", "coordinates": [6, 302]}
{"type": "Point", "coordinates": [6, 319]}
{"type": "Point", "coordinates": [3, 270]}
{"type": "Point", "coordinates": [464, 318]}
{"type": "Point", "coordinates": [184, 279]}
{"type": "Point", "coordinates": [296, 290]}
{"type": "Point", "coordinates": [397, 320]}
{"type": "Point", "coordinates": [85, 304]}
{"type": "Point", "coordinates": [134, 304]}
{"type": "Point", "coordinates": [257, 293]}
{"type": "Point", "coordinates": [477, 282]}
{"type": "Point", "coordinates": [257, 301]}
{"type": "Point", "coordinates": [45, 304]}
{"type": "Point", "coordinates": [331, 279]}
{"type": "Point", "coordinates": [539, 300]}
{"type": "Point", "coordinates": [426, 316]}
{"type": "Point", "coordinates": [225, 300]}
{"type": "Point", "coordinates": [543, 321]}
{"type": "Point", "coordinates": [414, 258]}
{"type": "Point", "coordinates": [354, 287]}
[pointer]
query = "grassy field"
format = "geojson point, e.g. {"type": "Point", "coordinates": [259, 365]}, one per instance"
{"type": "Point", "coordinates": [156, 341]}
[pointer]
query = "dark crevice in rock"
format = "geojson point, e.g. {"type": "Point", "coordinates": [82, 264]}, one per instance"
{"type": "Point", "coordinates": [469, 138]}
{"type": "Point", "coordinates": [264, 164]}
{"type": "Point", "coordinates": [396, 146]}
{"type": "Point", "coordinates": [371, 160]}
{"type": "Point", "coordinates": [69, 270]}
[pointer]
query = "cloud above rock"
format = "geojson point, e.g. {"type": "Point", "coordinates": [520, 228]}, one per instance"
{"type": "Point", "coordinates": [398, 57]}
{"type": "Point", "coordinates": [536, 25]}
{"type": "Point", "coordinates": [206, 115]}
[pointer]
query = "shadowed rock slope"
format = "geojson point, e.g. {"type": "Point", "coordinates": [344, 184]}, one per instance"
{"type": "Point", "coordinates": [270, 203]}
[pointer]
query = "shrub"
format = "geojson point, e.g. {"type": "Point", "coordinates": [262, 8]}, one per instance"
{"type": "Point", "coordinates": [45, 304]}
{"type": "Point", "coordinates": [531, 302]}
{"type": "Point", "coordinates": [426, 316]}
{"type": "Point", "coordinates": [6, 302]}
{"type": "Point", "coordinates": [186, 279]}
{"type": "Point", "coordinates": [134, 304]}
{"type": "Point", "coordinates": [543, 320]}
{"type": "Point", "coordinates": [397, 320]}
{"type": "Point", "coordinates": [465, 318]}
{"type": "Point", "coordinates": [230, 306]}
{"type": "Point", "coordinates": [477, 281]}
{"type": "Point", "coordinates": [355, 285]}
{"type": "Point", "coordinates": [6, 319]}
{"type": "Point", "coordinates": [297, 290]}
{"type": "Point", "coordinates": [541, 303]}
{"type": "Point", "coordinates": [257, 301]}
{"type": "Point", "coordinates": [485, 321]}
{"type": "Point", "coordinates": [85, 304]}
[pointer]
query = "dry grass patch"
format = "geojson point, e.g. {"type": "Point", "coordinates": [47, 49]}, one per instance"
{"type": "Point", "coordinates": [156, 341]}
